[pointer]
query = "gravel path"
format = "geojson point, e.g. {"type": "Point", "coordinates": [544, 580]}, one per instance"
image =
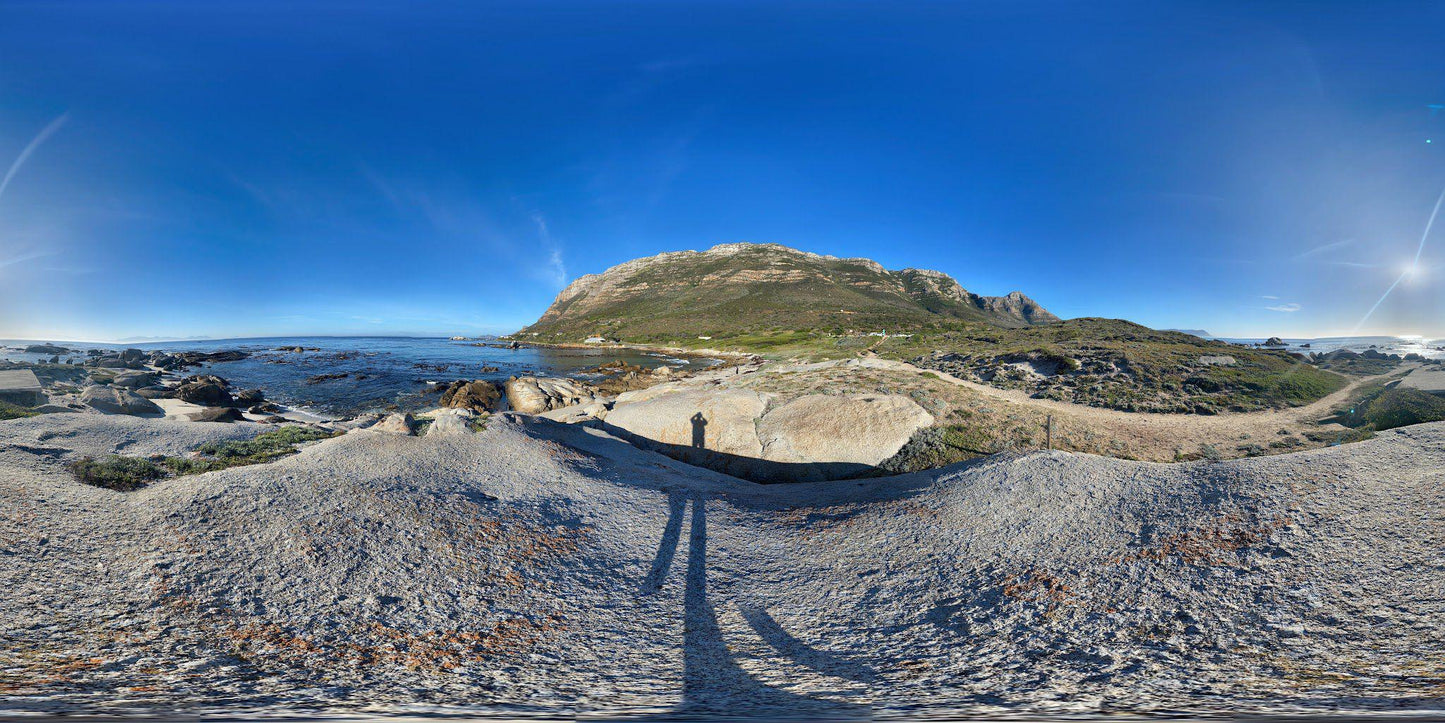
{"type": "Point", "coordinates": [540, 568]}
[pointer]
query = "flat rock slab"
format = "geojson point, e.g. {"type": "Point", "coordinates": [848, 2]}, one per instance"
{"type": "Point", "coordinates": [1432, 380]}
{"type": "Point", "coordinates": [856, 429]}
{"type": "Point", "coordinates": [19, 386]}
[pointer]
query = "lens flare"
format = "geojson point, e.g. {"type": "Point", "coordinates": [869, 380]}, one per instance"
{"type": "Point", "coordinates": [30, 147]}
{"type": "Point", "coordinates": [1410, 271]}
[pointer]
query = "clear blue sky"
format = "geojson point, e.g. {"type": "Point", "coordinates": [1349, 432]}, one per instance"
{"type": "Point", "coordinates": [254, 168]}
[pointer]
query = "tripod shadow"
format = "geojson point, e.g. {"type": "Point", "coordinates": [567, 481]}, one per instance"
{"type": "Point", "coordinates": [713, 681]}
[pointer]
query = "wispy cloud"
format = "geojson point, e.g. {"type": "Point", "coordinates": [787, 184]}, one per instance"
{"type": "Point", "coordinates": [1326, 248]}
{"type": "Point", "coordinates": [22, 258]}
{"type": "Point", "coordinates": [1271, 298]}
{"type": "Point", "coordinates": [557, 269]}
{"type": "Point", "coordinates": [30, 147]}
{"type": "Point", "coordinates": [1286, 308]}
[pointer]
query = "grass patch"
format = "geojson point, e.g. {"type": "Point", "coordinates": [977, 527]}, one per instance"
{"type": "Point", "coordinates": [132, 473]}
{"type": "Point", "coordinates": [15, 411]}
{"type": "Point", "coordinates": [123, 474]}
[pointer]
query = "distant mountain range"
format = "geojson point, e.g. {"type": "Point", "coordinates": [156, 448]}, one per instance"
{"type": "Point", "coordinates": [1194, 332]}
{"type": "Point", "coordinates": [742, 287]}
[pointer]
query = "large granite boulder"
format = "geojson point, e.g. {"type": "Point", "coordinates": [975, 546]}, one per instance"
{"type": "Point", "coordinates": [134, 379]}
{"type": "Point", "coordinates": [862, 429]}
{"type": "Point", "coordinates": [533, 395]}
{"type": "Point", "coordinates": [114, 400]}
{"type": "Point", "coordinates": [451, 421]}
{"type": "Point", "coordinates": [400, 423]}
{"type": "Point", "coordinates": [722, 421]}
{"type": "Point", "coordinates": [734, 431]}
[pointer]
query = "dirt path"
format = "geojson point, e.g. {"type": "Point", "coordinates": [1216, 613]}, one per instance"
{"type": "Point", "coordinates": [1156, 436]}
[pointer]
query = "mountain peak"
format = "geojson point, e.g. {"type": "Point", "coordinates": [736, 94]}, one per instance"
{"type": "Point", "coordinates": [740, 287]}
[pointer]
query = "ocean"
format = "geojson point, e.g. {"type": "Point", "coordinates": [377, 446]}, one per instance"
{"type": "Point", "coordinates": [382, 373]}
{"type": "Point", "coordinates": [1402, 345]}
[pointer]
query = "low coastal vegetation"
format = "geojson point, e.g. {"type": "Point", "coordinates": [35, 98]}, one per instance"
{"type": "Point", "coordinates": [1380, 406]}
{"type": "Point", "coordinates": [115, 472]}
{"type": "Point", "coordinates": [1106, 363]}
{"type": "Point", "coordinates": [15, 411]}
{"type": "Point", "coordinates": [125, 474]}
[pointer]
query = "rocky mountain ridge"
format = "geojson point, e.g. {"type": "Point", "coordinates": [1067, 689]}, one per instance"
{"type": "Point", "coordinates": [739, 287]}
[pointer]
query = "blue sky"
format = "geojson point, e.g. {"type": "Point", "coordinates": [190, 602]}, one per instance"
{"type": "Point", "coordinates": [234, 169]}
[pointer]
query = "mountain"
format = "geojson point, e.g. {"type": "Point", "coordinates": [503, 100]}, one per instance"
{"type": "Point", "coordinates": [742, 287]}
{"type": "Point", "coordinates": [1202, 334]}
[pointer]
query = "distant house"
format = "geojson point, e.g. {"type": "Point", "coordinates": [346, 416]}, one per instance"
{"type": "Point", "coordinates": [596, 340]}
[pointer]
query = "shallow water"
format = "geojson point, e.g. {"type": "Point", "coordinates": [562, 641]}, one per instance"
{"type": "Point", "coordinates": [382, 372]}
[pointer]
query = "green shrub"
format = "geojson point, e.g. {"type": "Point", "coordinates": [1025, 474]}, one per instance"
{"type": "Point", "coordinates": [1380, 408]}
{"type": "Point", "coordinates": [12, 411]}
{"type": "Point", "coordinates": [936, 447]}
{"type": "Point", "coordinates": [117, 473]}
{"type": "Point", "coordinates": [129, 473]}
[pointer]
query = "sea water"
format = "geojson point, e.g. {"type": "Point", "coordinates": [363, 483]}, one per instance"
{"type": "Point", "coordinates": [381, 373]}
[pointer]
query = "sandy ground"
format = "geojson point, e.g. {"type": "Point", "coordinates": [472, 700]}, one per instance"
{"type": "Point", "coordinates": [535, 568]}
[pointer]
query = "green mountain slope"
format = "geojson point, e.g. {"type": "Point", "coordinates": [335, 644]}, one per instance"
{"type": "Point", "coordinates": [745, 288]}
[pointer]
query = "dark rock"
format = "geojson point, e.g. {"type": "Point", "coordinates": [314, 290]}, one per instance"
{"type": "Point", "coordinates": [204, 393]}
{"type": "Point", "coordinates": [46, 349]}
{"type": "Point", "coordinates": [477, 396]}
{"type": "Point", "coordinates": [319, 378]}
{"type": "Point", "coordinates": [1274, 341]}
{"type": "Point", "coordinates": [155, 393]}
{"type": "Point", "coordinates": [205, 379]}
{"type": "Point", "coordinates": [266, 408]}
{"type": "Point", "coordinates": [217, 414]}
{"type": "Point", "coordinates": [249, 397]}
{"type": "Point", "coordinates": [132, 355]}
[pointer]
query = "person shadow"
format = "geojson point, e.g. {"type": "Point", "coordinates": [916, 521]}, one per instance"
{"type": "Point", "coordinates": [699, 431]}
{"type": "Point", "coordinates": [712, 680]}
